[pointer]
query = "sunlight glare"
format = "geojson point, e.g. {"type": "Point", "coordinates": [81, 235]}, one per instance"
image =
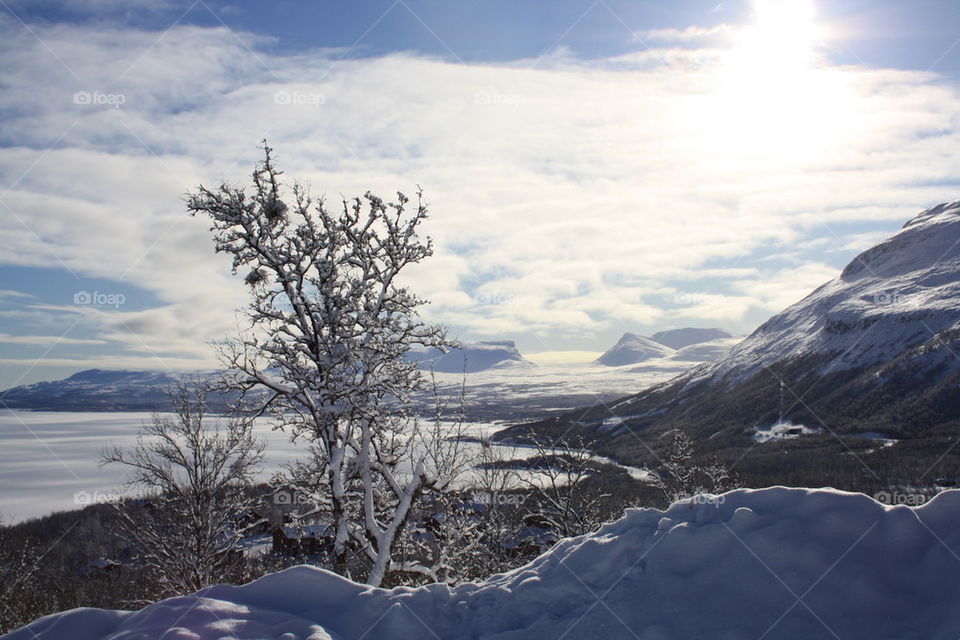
{"type": "Point", "coordinates": [769, 97]}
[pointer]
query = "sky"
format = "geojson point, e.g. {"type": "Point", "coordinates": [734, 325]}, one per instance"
{"type": "Point", "coordinates": [592, 167]}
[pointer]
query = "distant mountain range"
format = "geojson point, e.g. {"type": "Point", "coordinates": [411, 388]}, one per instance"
{"type": "Point", "coordinates": [501, 383]}
{"type": "Point", "coordinates": [634, 349]}
{"type": "Point", "coordinates": [471, 357]}
{"type": "Point", "coordinates": [112, 390]}
{"type": "Point", "coordinates": [874, 351]}
{"type": "Point", "coordinates": [98, 390]}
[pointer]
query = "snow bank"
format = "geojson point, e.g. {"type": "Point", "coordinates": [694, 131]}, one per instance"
{"type": "Point", "coordinates": [771, 563]}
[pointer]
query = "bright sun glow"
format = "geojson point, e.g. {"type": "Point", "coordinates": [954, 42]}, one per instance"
{"type": "Point", "coordinates": [770, 98]}
{"type": "Point", "coordinates": [780, 42]}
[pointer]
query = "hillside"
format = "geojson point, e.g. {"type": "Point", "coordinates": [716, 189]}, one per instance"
{"type": "Point", "coordinates": [874, 350]}
{"type": "Point", "coordinates": [769, 563]}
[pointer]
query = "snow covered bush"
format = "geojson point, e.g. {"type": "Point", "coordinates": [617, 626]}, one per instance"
{"type": "Point", "coordinates": [683, 477]}
{"type": "Point", "coordinates": [329, 326]}
{"type": "Point", "coordinates": [193, 477]}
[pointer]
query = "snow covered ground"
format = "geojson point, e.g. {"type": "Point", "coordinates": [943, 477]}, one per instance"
{"type": "Point", "coordinates": [772, 563]}
{"type": "Point", "coordinates": [783, 431]}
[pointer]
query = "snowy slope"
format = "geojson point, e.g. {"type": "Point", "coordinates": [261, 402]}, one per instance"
{"type": "Point", "coordinates": [471, 357]}
{"type": "Point", "coordinates": [896, 295]}
{"type": "Point", "coordinates": [633, 349]}
{"type": "Point", "coordinates": [876, 349]}
{"type": "Point", "coordinates": [687, 336]}
{"type": "Point", "coordinates": [705, 351]}
{"type": "Point", "coordinates": [773, 563]}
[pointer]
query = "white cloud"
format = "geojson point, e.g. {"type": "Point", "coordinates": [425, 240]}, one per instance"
{"type": "Point", "coordinates": [567, 200]}
{"type": "Point", "coordinates": [689, 34]}
{"type": "Point", "coordinates": [46, 341]}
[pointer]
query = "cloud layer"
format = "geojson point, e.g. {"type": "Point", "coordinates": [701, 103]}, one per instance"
{"type": "Point", "coordinates": [571, 200]}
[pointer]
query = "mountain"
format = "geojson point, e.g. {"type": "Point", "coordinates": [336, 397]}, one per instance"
{"type": "Point", "coordinates": [875, 350]}
{"type": "Point", "coordinates": [113, 390]}
{"type": "Point", "coordinates": [705, 351]}
{"type": "Point", "coordinates": [97, 390]}
{"type": "Point", "coordinates": [471, 357]}
{"type": "Point", "coordinates": [728, 566]}
{"type": "Point", "coordinates": [632, 349]}
{"type": "Point", "coordinates": [680, 338]}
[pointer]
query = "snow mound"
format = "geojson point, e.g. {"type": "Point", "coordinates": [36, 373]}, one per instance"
{"type": "Point", "coordinates": [771, 563]}
{"type": "Point", "coordinates": [632, 349]}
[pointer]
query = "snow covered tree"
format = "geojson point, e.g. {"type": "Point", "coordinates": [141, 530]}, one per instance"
{"type": "Point", "coordinates": [563, 502]}
{"type": "Point", "coordinates": [330, 326]}
{"type": "Point", "coordinates": [682, 477]}
{"type": "Point", "coordinates": [193, 478]}
{"type": "Point", "coordinates": [20, 599]}
{"type": "Point", "coordinates": [461, 528]}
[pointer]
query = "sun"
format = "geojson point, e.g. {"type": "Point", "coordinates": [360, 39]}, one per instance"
{"type": "Point", "coordinates": [780, 42]}
{"type": "Point", "coordinates": [770, 95]}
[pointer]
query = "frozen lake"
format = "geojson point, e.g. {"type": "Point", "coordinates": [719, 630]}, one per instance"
{"type": "Point", "coordinates": [49, 460]}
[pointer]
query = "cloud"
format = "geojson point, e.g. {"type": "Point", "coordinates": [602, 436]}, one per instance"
{"type": "Point", "coordinates": [46, 340]}
{"type": "Point", "coordinates": [690, 34]}
{"type": "Point", "coordinates": [570, 200]}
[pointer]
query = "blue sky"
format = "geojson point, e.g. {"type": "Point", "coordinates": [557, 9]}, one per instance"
{"type": "Point", "coordinates": [592, 167]}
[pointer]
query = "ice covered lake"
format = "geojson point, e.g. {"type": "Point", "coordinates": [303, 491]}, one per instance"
{"type": "Point", "coordinates": [49, 460]}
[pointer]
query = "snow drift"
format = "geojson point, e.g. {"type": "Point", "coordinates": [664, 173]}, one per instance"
{"type": "Point", "coordinates": [770, 563]}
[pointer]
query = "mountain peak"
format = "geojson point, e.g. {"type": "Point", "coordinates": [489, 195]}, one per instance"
{"type": "Point", "coordinates": [943, 210]}
{"type": "Point", "coordinates": [631, 349]}
{"type": "Point", "coordinates": [927, 241]}
{"type": "Point", "coordinates": [686, 336]}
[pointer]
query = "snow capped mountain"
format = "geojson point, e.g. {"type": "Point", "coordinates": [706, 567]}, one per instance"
{"type": "Point", "coordinates": [98, 390]}
{"type": "Point", "coordinates": [876, 349]}
{"type": "Point", "coordinates": [705, 351]}
{"type": "Point", "coordinates": [111, 390]}
{"type": "Point", "coordinates": [686, 345]}
{"type": "Point", "coordinates": [729, 566]}
{"type": "Point", "coordinates": [471, 357]}
{"type": "Point", "coordinates": [891, 299]}
{"type": "Point", "coordinates": [632, 349]}
{"type": "Point", "coordinates": [680, 338]}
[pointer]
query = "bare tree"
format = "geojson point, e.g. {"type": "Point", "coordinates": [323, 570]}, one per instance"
{"type": "Point", "coordinates": [330, 327]}
{"type": "Point", "coordinates": [459, 530]}
{"type": "Point", "coordinates": [194, 477]}
{"type": "Point", "coordinates": [20, 601]}
{"type": "Point", "coordinates": [682, 477]}
{"type": "Point", "coordinates": [563, 501]}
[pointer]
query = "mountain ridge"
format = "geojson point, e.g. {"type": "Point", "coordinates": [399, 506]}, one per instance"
{"type": "Point", "coordinates": [876, 349]}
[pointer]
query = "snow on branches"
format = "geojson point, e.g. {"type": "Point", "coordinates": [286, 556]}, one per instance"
{"type": "Point", "coordinates": [330, 326]}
